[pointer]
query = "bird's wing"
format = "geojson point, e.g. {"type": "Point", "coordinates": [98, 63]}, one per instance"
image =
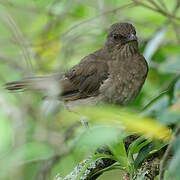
{"type": "Point", "coordinates": [84, 79]}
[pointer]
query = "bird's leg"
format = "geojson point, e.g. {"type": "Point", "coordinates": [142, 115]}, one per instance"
{"type": "Point", "coordinates": [84, 122]}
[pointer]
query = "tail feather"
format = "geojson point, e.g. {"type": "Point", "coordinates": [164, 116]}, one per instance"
{"type": "Point", "coordinates": [15, 85]}
{"type": "Point", "coordinates": [47, 84]}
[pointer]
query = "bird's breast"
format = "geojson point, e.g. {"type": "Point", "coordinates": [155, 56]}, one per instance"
{"type": "Point", "coordinates": [126, 77]}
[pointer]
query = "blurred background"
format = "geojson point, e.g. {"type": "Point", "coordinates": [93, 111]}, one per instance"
{"type": "Point", "coordinates": [40, 37]}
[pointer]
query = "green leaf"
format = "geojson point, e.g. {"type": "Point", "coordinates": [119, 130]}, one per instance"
{"type": "Point", "coordinates": [95, 137]}
{"type": "Point", "coordinates": [147, 151]}
{"type": "Point", "coordinates": [177, 88]}
{"type": "Point", "coordinates": [135, 147]}
{"type": "Point", "coordinates": [171, 65]}
{"type": "Point", "coordinates": [175, 162]}
{"type": "Point", "coordinates": [29, 152]}
{"type": "Point", "coordinates": [174, 165]}
{"type": "Point", "coordinates": [6, 136]}
{"type": "Point", "coordinates": [143, 154]}
{"type": "Point", "coordinates": [119, 152]}
{"type": "Point", "coordinates": [154, 44]}
{"type": "Point", "coordinates": [168, 116]}
{"type": "Point", "coordinates": [114, 116]}
{"type": "Point", "coordinates": [156, 105]}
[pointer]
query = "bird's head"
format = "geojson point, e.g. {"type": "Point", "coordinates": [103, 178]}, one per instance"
{"type": "Point", "coordinates": [120, 35]}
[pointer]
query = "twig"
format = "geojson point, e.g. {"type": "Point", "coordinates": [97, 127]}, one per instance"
{"type": "Point", "coordinates": [164, 90]}
{"type": "Point", "coordinates": [170, 17]}
{"type": "Point", "coordinates": [49, 164]}
{"type": "Point", "coordinates": [167, 153]}
{"type": "Point", "coordinates": [162, 4]}
{"type": "Point", "coordinates": [129, 5]}
{"type": "Point", "coordinates": [18, 36]}
{"type": "Point", "coordinates": [163, 12]}
{"type": "Point", "coordinates": [21, 7]}
{"type": "Point", "coordinates": [90, 169]}
{"type": "Point", "coordinates": [175, 26]}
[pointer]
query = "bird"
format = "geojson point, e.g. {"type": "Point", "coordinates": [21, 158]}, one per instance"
{"type": "Point", "coordinates": [113, 74]}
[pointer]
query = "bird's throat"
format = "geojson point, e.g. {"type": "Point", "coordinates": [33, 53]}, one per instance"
{"type": "Point", "coordinates": [129, 49]}
{"type": "Point", "coordinates": [125, 50]}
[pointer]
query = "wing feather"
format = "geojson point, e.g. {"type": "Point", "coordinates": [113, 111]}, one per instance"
{"type": "Point", "coordinates": [87, 76]}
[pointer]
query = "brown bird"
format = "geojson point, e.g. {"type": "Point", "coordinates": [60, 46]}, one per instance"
{"type": "Point", "coordinates": [114, 74]}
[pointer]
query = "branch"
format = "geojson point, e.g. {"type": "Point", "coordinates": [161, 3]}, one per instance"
{"type": "Point", "coordinates": [168, 87]}
{"type": "Point", "coordinates": [129, 5]}
{"type": "Point", "coordinates": [89, 169]}
{"type": "Point", "coordinates": [49, 164]}
{"type": "Point", "coordinates": [20, 7]}
{"type": "Point", "coordinates": [171, 16]}
{"type": "Point", "coordinates": [156, 9]}
{"type": "Point", "coordinates": [167, 153]}
{"type": "Point", "coordinates": [149, 169]}
{"type": "Point", "coordinates": [18, 36]}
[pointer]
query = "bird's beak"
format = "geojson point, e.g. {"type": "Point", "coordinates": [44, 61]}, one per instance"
{"type": "Point", "coordinates": [131, 37]}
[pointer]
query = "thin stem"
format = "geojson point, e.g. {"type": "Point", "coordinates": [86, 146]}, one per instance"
{"type": "Point", "coordinates": [167, 153]}
{"type": "Point", "coordinates": [156, 9]}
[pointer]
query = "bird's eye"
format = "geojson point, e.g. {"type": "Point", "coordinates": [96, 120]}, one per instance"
{"type": "Point", "coordinates": [117, 37]}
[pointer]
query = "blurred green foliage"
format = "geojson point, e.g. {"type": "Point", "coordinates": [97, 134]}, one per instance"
{"type": "Point", "coordinates": [39, 139]}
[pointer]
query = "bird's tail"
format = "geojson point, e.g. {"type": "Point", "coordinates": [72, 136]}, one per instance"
{"type": "Point", "coordinates": [46, 84]}
{"type": "Point", "coordinates": [15, 85]}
